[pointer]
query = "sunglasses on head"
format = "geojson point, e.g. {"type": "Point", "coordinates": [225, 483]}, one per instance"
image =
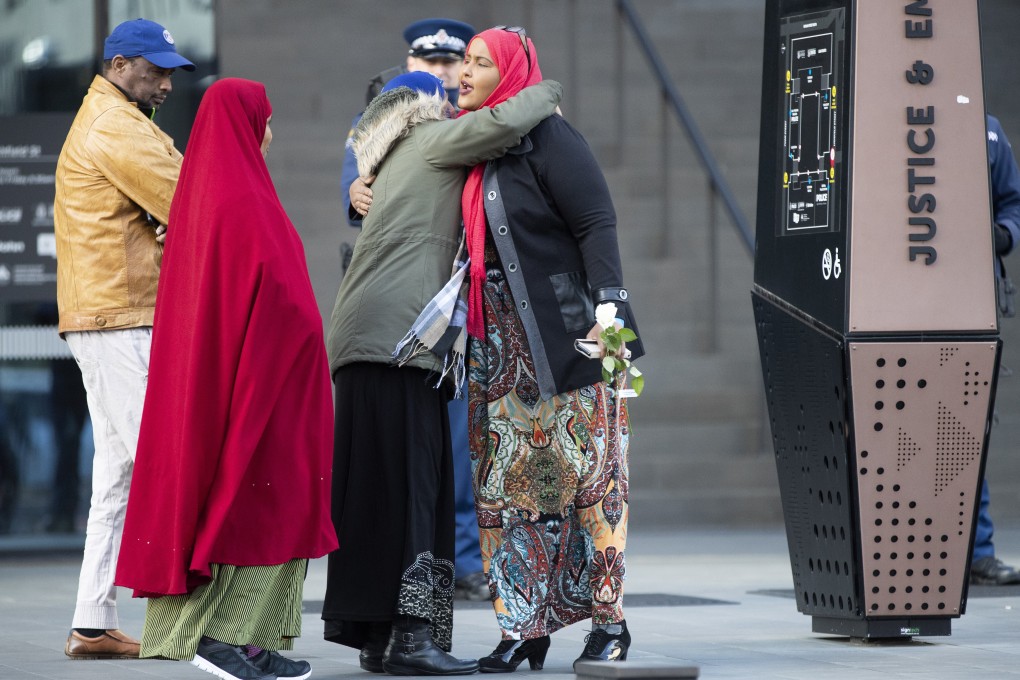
{"type": "Point", "coordinates": [523, 35]}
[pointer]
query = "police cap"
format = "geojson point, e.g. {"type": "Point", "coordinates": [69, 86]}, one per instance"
{"type": "Point", "coordinates": [438, 38]}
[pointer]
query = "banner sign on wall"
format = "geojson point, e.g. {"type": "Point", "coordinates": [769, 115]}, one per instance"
{"type": "Point", "coordinates": [29, 146]}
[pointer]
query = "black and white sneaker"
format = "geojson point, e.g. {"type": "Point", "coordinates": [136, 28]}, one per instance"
{"type": "Point", "coordinates": [281, 666]}
{"type": "Point", "coordinates": [227, 662]}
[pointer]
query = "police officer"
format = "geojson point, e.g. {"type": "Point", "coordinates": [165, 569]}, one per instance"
{"type": "Point", "coordinates": [436, 46]}
{"type": "Point", "coordinates": [985, 567]}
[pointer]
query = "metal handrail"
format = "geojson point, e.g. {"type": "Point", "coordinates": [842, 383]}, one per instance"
{"type": "Point", "coordinates": [717, 182]}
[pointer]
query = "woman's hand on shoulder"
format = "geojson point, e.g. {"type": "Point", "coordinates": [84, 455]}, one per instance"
{"type": "Point", "coordinates": [361, 194]}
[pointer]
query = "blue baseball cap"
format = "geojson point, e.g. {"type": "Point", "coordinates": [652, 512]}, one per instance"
{"type": "Point", "coordinates": [421, 81]}
{"type": "Point", "coordinates": [438, 38]}
{"type": "Point", "coordinates": [144, 38]}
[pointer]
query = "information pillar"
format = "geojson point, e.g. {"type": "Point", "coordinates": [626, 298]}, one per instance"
{"type": "Point", "coordinates": [874, 302]}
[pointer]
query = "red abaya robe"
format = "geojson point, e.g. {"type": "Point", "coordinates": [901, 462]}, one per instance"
{"type": "Point", "coordinates": [235, 451]}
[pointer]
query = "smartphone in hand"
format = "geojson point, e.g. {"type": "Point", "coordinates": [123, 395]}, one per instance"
{"type": "Point", "coordinates": [589, 348]}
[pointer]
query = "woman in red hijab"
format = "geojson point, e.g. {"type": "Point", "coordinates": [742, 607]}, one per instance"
{"type": "Point", "coordinates": [231, 485]}
{"type": "Point", "coordinates": [549, 438]}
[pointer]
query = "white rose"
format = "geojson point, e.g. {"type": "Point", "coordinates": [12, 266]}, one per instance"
{"type": "Point", "coordinates": [605, 314]}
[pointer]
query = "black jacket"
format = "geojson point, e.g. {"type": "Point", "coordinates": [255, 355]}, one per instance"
{"type": "Point", "coordinates": [552, 219]}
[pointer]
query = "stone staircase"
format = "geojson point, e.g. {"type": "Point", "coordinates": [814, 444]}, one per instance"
{"type": "Point", "coordinates": [702, 449]}
{"type": "Point", "coordinates": [699, 454]}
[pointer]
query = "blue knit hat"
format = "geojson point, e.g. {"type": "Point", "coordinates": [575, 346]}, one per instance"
{"type": "Point", "coordinates": [422, 81]}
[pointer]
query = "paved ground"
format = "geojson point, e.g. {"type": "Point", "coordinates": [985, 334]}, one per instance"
{"type": "Point", "coordinates": [695, 598]}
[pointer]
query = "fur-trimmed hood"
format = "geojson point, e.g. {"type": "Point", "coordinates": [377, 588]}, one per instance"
{"type": "Point", "coordinates": [388, 119]}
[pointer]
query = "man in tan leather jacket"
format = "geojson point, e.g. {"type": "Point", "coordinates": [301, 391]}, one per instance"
{"type": "Point", "coordinates": [115, 178]}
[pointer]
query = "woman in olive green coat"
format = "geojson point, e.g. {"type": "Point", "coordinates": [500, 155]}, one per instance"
{"type": "Point", "coordinates": [392, 578]}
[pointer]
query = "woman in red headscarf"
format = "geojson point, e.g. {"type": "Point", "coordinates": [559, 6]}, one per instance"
{"type": "Point", "coordinates": [231, 487]}
{"type": "Point", "coordinates": [548, 437]}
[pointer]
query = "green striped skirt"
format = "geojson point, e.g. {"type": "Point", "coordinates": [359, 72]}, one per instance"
{"type": "Point", "coordinates": [259, 606]}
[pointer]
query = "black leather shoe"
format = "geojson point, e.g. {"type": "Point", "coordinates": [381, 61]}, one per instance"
{"type": "Point", "coordinates": [473, 587]}
{"type": "Point", "coordinates": [411, 651]}
{"type": "Point", "coordinates": [371, 654]}
{"type": "Point", "coordinates": [601, 645]}
{"type": "Point", "coordinates": [509, 654]}
{"type": "Point", "coordinates": [991, 571]}
{"type": "Point", "coordinates": [370, 659]}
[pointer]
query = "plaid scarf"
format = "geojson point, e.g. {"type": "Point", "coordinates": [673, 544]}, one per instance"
{"type": "Point", "coordinates": [440, 328]}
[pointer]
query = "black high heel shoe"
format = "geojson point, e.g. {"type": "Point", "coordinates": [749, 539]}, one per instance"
{"type": "Point", "coordinates": [601, 645]}
{"type": "Point", "coordinates": [509, 654]}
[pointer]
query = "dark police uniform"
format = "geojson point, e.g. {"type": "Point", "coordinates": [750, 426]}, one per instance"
{"type": "Point", "coordinates": [1005, 186]}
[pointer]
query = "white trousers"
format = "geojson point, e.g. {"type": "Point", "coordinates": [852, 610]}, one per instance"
{"type": "Point", "coordinates": [115, 368]}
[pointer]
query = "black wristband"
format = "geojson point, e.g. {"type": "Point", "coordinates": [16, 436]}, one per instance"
{"type": "Point", "coordinates": [610, 295]}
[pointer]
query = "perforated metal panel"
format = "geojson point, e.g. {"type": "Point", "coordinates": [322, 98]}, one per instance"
{"type": "Point", "coordinates": [804, 383]}
{"type": "Point", "coordinates": [920, 419]}
{"type": "Point", "coordinates": [878, 449]}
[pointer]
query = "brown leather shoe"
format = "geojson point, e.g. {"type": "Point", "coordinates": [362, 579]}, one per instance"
{"type": "Point", "coordinates": [113, 644]}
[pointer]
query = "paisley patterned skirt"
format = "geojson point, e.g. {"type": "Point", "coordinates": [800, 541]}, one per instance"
{"type": "Point", "coordinates": [550, 482]}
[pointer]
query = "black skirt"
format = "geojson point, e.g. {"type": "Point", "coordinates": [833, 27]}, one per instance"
{"type": "Point", "coordinates": [393, 504]}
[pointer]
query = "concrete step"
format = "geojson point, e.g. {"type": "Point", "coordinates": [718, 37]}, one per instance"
{"type": "Point", "coordinates": [734, 406]}
{"type": "Point", "coordinates": [664, 439]}
{"type": "Point", "coordinates": [706, 506]}
{"type": "Point", "coordinates": [736, 342]}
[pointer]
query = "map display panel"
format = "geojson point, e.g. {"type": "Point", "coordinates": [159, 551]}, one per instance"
{"type": "Point", "coordinates": [811, 127]}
